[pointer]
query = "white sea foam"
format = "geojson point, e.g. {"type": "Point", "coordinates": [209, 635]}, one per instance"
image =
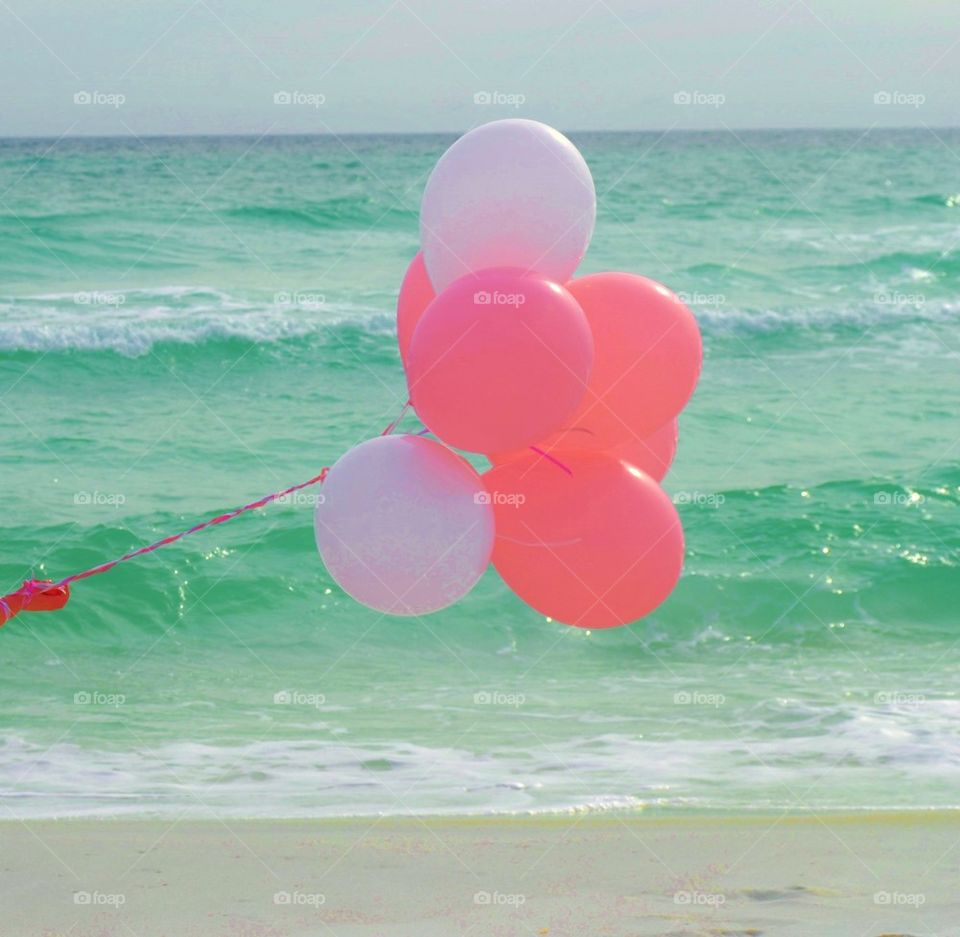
{"type": "Point", "coordinates": [132, 322]}
{"type": "Point", "coordinates": [898, 751]}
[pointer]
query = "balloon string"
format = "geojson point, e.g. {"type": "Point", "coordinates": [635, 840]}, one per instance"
{"type": "Point", "coordinates": [39, 595]}
{"type": "Point", "coordinates": [556, 462]}
{"type": "Point", "coordinates": [220, 519]}
{"type": "Point", "coordinates": [396, 422]}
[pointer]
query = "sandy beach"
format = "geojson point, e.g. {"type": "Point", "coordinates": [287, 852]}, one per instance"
{"type": "Point", "coordinates": [869, 875]}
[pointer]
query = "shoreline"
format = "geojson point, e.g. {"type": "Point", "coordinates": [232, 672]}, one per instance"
{"type": "Point", "coordinates": [883, 874]}
{"type": "Point", "coordinates": [560, 816]}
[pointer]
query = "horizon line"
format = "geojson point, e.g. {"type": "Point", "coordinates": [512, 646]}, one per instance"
{"type": "Point", "coordinates": [440, 133]}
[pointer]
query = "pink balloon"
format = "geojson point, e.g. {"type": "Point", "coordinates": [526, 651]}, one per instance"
{"type": "Point", "coordinates": [653, 454]}
{"type": "Point", "coordinates": [597, 546]}
{"type": "Point", "coordinates": [404, 525]}
{"type": "Point", "coordinates": [416, 293]}
{"type": "Point", "coordinates": [647, 356]}
{"type": "Point", "coordinates": [500, 359]}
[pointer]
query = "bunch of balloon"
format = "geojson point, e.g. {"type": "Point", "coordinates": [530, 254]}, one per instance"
{"type": "Point", "coordinates": [570, 387]}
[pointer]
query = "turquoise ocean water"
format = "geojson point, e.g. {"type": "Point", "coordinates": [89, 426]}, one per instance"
{"type": "Point", "coordinates": [186, 325]}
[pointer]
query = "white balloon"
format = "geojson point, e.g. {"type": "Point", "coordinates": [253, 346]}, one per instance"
{"type": "Point", "coordinates": [405, 525]}
{"type": "Point", "coordinates": [511, 193]}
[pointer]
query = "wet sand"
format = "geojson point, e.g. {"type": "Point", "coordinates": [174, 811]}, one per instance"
{"type": "Point", "coordinates": [608, 876]}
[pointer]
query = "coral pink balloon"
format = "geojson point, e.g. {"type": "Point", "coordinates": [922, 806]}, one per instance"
{"type": "Point", "coordinates": [416, 293]}
{"type": "Point", "coordinates": [653, 454]}
{"type": "Point", "coordinates": [647, 356]}
{"type": "Point", "coordinates": [597, 546]}
{"type": "Point", "coordinates": [404, 525]}
{"type": "Point", "coordinates": [500, 359]}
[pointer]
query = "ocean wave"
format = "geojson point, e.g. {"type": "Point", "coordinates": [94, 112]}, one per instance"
{"type": "Point", "coordinates": [772, 567]}
{"type": "Point", "coordinates": [939, 199]}
{"type": "Point", "coordinates": [346, 212]}
{"type": "Point", "coordinates": [888, 309]}
{"type": "Point", "coordinates": [132, 322]}
{"type": "Point", "coordinates": [878, 751]}
{"type": "Point", "coordinates": [793, 564]}
{"type": "Point", "coordinates": [895, 263]}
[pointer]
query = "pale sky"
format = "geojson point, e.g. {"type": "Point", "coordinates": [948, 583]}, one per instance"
{"type": "Point", "coordinates": [312, 66]}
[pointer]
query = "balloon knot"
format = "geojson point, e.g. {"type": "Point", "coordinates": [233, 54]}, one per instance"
{"type": "Point", "coordinates": [35, 595]}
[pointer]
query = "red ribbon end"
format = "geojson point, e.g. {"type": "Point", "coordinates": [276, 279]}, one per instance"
{"type": "Point", "coordinates": [35, 595]}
